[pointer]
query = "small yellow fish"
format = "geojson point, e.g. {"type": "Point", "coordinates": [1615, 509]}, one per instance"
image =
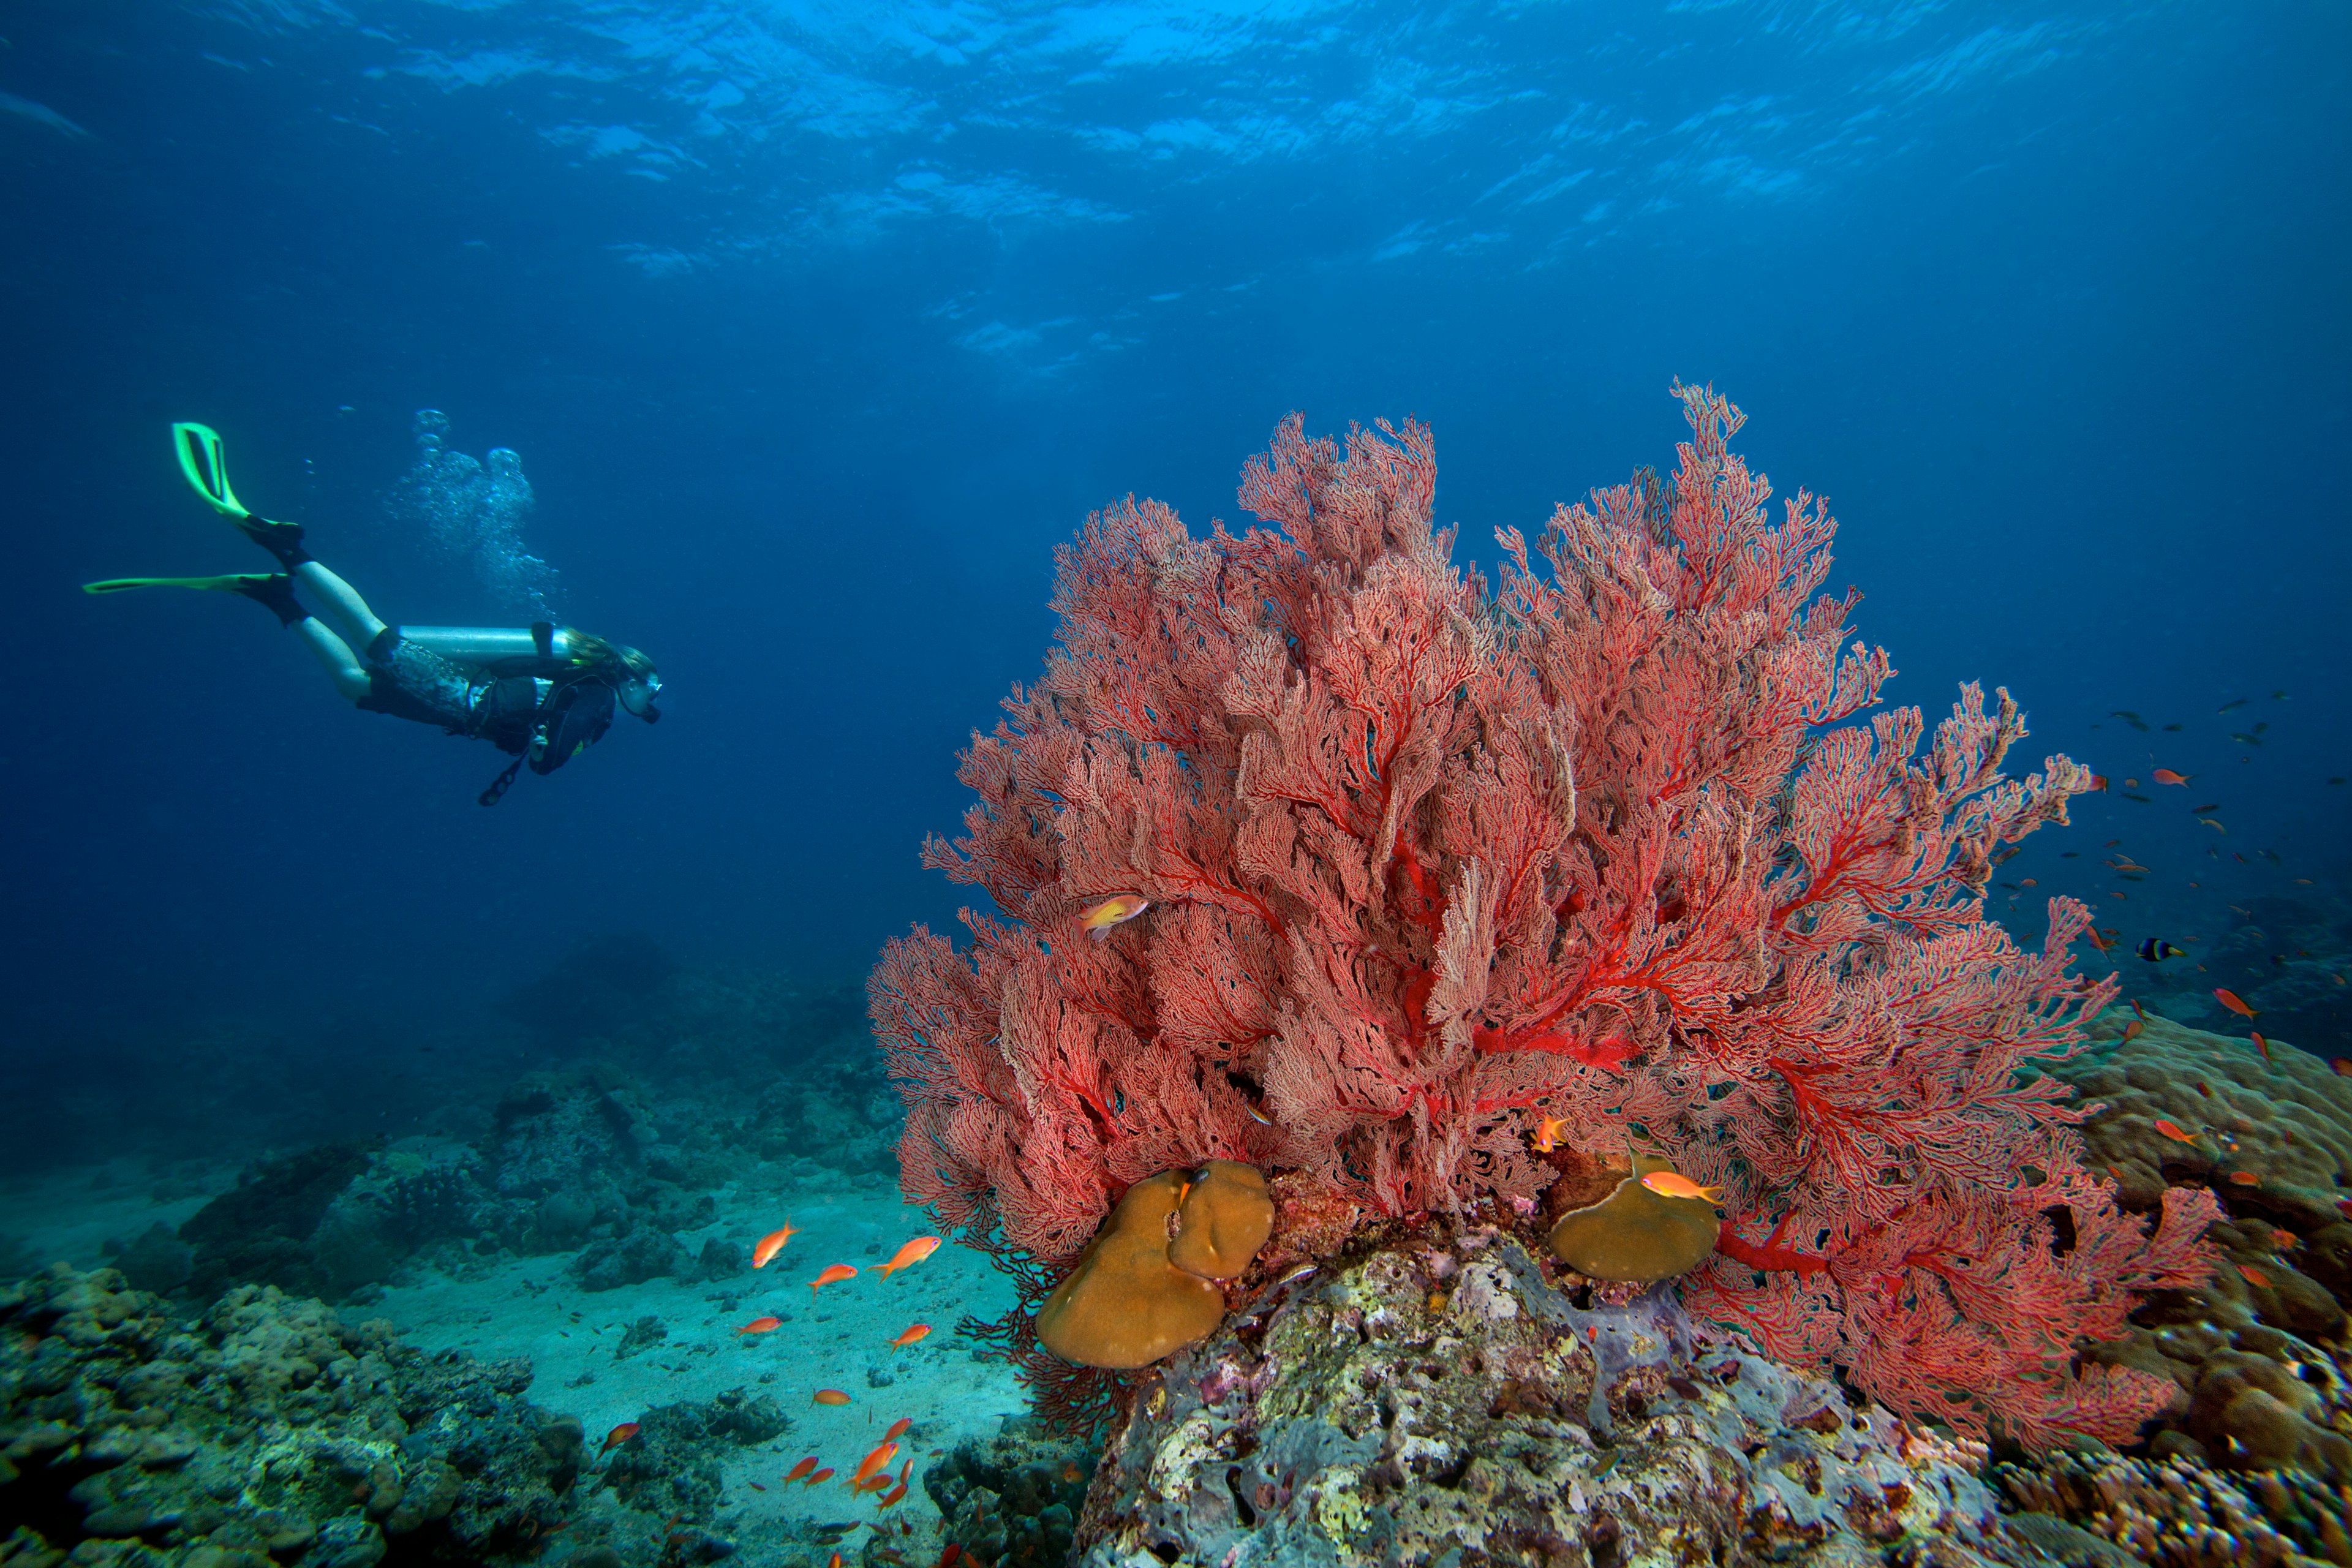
{"type": "Point", "coordinates": [1096, 920]}
{"type": "Point", "coordinates": [914, 1252]}
{"type": "Point", "coordinates": [1674, 1184]}
{"type": "Point", "coordinates": [771, 1244]}
{"type": "Point", "coordinates": [1548, 1132]}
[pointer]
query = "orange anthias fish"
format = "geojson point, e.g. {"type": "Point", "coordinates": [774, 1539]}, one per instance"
{"type": "Point", "coordinates": [897, 1428]}
{"type": "Point", "coordinates": [771, 1244]}
{"type": "Point", "coordinates": [2172, 1131]}
{"type": "Point", "coordinates": [2286, 1240]}
{"type": "Point", "coordinates": [618, 1436]}
{"type": "Point", "coordinates": [2244, 1179]}
{"type": "Point", "coordinates": [914, 1252]}
{"type": "Point", "coordinates": [824, 1475]}
{"type": "Point", "coordinates": [2260, 1044]}
{"type": "Point", "coordinates": [2167, 776]}
{"type": "Point", "coordinates": [1548, 1132]}
{"type": "Point", "coordinates": [836, 1563]}
{"type": "Point", "coordinates": [1674, 1184]}
{"type": "Point", "coordinates": [2253, 1275]}
{"type": "Point", "coordinates": [2132, 1029]}
{"type": "Point", "coordinates": [914, 1332]}
{"type": "Point", "coordinates": [804, 1467]}
{"type": "Point", "coordinates": [892, 1495]}
{"type": "Point", "coordinates": [878, 1460]}
{"type": "Point", "coordinates": [2340, 1065]}
{"type": "Point", "coordinates": [762, 1326]}
{"type": "Point", "coordinates": [947, 1557]}
{"type": "Point", "coordinates": [828, 1396]}
{"type": "Point", "coordinates": [1096, 920]}
{"type": "Point", "coordinates": [833, 1276]}
{"type": "Point", "coordinates": [2233, 1001]}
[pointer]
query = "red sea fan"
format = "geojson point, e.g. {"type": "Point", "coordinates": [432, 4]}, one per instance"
{"type": "Point", "coordinates": [1428, 858]}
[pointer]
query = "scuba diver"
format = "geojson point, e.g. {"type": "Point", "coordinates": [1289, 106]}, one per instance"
{"type": "Point", "coordinates": [542, 693]}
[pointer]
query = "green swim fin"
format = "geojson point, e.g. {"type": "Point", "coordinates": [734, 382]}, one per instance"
{"type": "Point", "coordinates": [199, 449]}
{"type": "Point", "coordinates": [274, 590]}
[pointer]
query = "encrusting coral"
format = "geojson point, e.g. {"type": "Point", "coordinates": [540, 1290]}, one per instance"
{"type": "Point", "coordinates": [1423, 861]}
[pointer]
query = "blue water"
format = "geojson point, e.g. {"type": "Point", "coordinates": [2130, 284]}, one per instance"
{"type": "Point", "coordinates": [810, 329]}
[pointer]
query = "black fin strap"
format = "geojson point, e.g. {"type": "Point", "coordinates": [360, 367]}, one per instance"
{"type": "Point", "coordinates": [500, 785]}
{"type": "Point", "coordinates": [543, 638]}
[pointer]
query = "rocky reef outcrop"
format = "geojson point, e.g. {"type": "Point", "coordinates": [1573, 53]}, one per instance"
{"type": "Point", "coordinates": [267, 1431]}
{"type": "Point", "coordinates": [1441, 1400]}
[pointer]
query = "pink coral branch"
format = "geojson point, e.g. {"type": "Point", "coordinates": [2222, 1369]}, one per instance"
{"type": "Point", "coordinates": [1616, 839]}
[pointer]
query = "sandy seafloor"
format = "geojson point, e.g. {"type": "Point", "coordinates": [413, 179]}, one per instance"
{"type": "Point", "coordinates": [493, 1308]}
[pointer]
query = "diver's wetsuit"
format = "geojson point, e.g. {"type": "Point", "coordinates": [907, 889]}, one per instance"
{"type": "Point", "coordinates": [509, 687]}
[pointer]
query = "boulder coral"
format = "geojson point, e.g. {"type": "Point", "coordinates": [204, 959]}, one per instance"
{"type": "Point", "coordinates": [1636, 1235]}
{"type": "Point", "coordinates": [1123, 1305]}
{"type": "Point", "coordinates": [2259, 1348]}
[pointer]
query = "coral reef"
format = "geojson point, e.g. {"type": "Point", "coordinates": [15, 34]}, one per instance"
{"type": "Point", "coordinates": [2175, 1514]}
{"type": "Point", "coordinates": [1013, 1500]}
{"type": "Point", "coordinates": [2259, 1348]}
{"type": "Point", "coordinates": [668, 1468]}
{"type": "Point", "coordinates": [1439, 1399]}
{"type": "Point", "coordinates": [260, 1231]}
{"type": "Point", "coordinates": [1418, 863]}
{"type": "Point", "coordinates": [268, 1429]}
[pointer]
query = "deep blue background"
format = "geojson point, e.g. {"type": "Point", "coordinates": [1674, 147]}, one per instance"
{"type": "Point", "coordinates": [816, 328]}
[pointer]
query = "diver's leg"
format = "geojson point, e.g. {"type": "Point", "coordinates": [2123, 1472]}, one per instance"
{"type": "Point", "coordinates": [344, 666]}
{"type": "Point", "coordinates": [358, 624]}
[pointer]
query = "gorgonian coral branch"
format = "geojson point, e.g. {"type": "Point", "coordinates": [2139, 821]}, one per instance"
{"type": "Point", "coordinates": [1614, 839]}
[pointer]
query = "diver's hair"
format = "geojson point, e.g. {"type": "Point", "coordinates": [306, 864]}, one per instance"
{"type": "Point", "coordinates": [591, 652]}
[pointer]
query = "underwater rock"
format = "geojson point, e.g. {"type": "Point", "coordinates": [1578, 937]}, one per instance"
{"type": "Point", "coordinates": [157, 1261]}
{"type": "Point", "coordinates": [637, 1254]}
{"type": "Point", "coordinates": [267, 1428]}
{"type": "Point", "coordinates": [672, 1465]}
{"type": "Point", "coordinates": [721, 1260]}
{"type": "Point", "coordinates": [605, 982]}
{"type": "Point", "coordinates": [577, 1132]}
{"type": "Point", "coordinates": [561, 1220]}
{"type": "Point", "coordinates": [837, 1115]}
{"type": "Point", "coordinates": [1012, 1501]}
{"type": "Point", "coordinates": [1439, 1400]}
{"type": "Point", "coordinates": [260, 1231]}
